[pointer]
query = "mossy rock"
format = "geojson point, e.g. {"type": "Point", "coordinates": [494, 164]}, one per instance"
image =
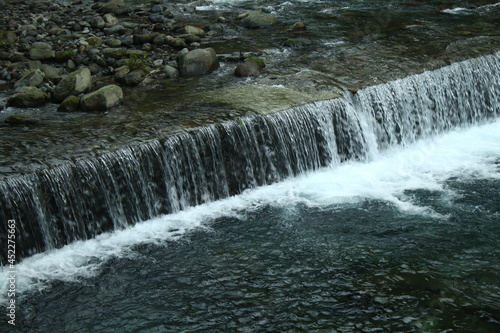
{"type": "Point", "coordinates": [94, 41]}
{"type": "Point", "coordinates": [27, 97]}
{"type": "Point", "coordinates": [262, 99]}
{"type": "Point", "coordinates": [70, 104]}
{"type": "Point", "coordinates": [64, 56]}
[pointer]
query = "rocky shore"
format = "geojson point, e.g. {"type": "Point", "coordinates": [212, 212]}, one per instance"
{"type": "Point", "coordinates": [163, 66]}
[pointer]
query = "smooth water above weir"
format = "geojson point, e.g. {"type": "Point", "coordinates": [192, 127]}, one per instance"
{"type": "Point", "coordinates": [80, 200]}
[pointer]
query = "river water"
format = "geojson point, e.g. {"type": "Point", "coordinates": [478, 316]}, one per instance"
{"type": "Point", "coordinates": [405, 242]}
{"type": "Point", "coordinates": [402, 236]}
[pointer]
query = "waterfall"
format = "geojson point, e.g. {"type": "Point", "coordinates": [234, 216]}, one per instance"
{"type": "Point", "coordinates": [79, 200]}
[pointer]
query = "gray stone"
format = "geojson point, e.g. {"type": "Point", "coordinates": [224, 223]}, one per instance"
{"type": "Point", "coordinates": [117, 7]}
{"type": "Point", "coordinates": [41, 51]}
{"type": "Point", "coordinates": [257, 19]}
{"type": "Point", "coordinates": [27, 97]}
{"type": "Point", "coordinates": [113, 42]}
{"type": "Point", "coordinates": [171, 72]}
{"type": "Point", "coordinates": [33, 78]}
{"type": "Point", "coordinates": [134, 77]}
{"type": "Point", "coordinates": [145, 38]}
{"type": "Point", "coordinates": [98, 22]}
{"type": "Point", "coordinates": [50, 72]}
{"type": "Point", "coordinates": [116, 29]}
{"type": "Point", "coordinates": [190, 30]}
{"type": "Point", "coordinates": [157, 9]}
{"type": "Point", "coordinates": [73, 84]}
{"type": "Point", "coordinates": [157, 18]}
{"type": "Point", "coordinates": [70, 104]}
{"type": "Point", "coordinates": [110, 20]}
{"type": "Point", "coordinates": [102, 99]}
{"type": "Point", "coordinates": [251, 67]}
{"type": "Point", "coordinates": [198, 62]}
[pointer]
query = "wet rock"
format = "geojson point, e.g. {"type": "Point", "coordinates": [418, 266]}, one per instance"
{"type": "Point", "coordinates": [117, 7]}
{"type": "Point", "coordinates": [177, 43]}
{"type": "Point", "coordinates": [257, 19]}
{"type": "Point", "coordinates": [198, 62]}
{"type": "Point", "coordinates": [253, 66]}
{"type": "Point", "coordinates": [171, 72]}
{"type": "Point", "coordinates": [70, 104]}
{"type": "Point", "coordinates": [134, 77]}
{"type": "Point", "coordinates": [27, 97]}
{"type": "Point", "coordinates": [41, 51]}
{"type": "Point", "coordinates": [191, 38]}
{"type": "Point", "coordinates": [297, 42]}
{"type": "Point", "coordinates": [102, 99]}
{"type": "Point", "coordinates": [74, 83]}
{"type": "Point", "coordinates": [121, 72]}
{"type": "Point", "coordinates": [298, 26]}
{"type": "Point", "coordinates": [33, 78]}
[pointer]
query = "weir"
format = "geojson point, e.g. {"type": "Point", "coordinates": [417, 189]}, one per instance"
{"type": "Point", "coordinates": [79, 200]}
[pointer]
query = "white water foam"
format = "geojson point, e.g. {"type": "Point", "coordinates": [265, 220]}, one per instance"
{"type": "Point", "coordinates": [473, 152]}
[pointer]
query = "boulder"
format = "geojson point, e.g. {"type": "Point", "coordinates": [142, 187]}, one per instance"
{"type": "Point", "coordinates": [198, 62]}
{"type": "Point", "coordinates": [51, 73]}
{"type": "Point", "coordinates": [102, 99]}
{"type": "Point", "coordinates": [33, 78]}
{"type": "Point", "coordinates": [27, 97]}
{"type": "Point", "coordinates": [171, 72]}
{"type": "Point", "coordinates": [70, 104]}
{"type": "Point", "coordinates": [74, 83]}
{"type": "Point", "coordinates": [117, 7]}
{"type": "Point", "coordinates": [41, 51]}
{"type": "Point", "coordinates": [251, 67]}
{"type": "Point", "coordinates": [299, 26]}
{"type": "Point", "coordinates": [257, 19]}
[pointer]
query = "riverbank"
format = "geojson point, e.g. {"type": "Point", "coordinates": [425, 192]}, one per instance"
{"type": "Point", "coordinates": [338, 48]}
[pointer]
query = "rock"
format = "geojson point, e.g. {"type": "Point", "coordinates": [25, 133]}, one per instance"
{"type": "Point", "coordinates": [27, 97]}
{"type": "Point", "coordinates": [297, 42]}
{"type": "Point", "coordinates": [102, 99]}
{"type": "Point", "coordinates": [113, 42]}
{"type": "Point", "coordinates": [51, 73]}
{"type": "Point", "coordinates": [198, 62]}
{"type": "Point", "coordinates": [253, 66]}
{"type": "Point", "coordinates": [74, 83]}
{"type": "Point", "coordinates": [157, 18]}
{"type": "Point", "coordinates": [41, 51]}
{"type": "Point", "coordinates": [191, 38]}
{"type": "Point", "coordinates": [177, 43]}
{"type": "Point", "coordinates": [116, 29]}
{"type": "Point", "coordinates": [145, 38]}
{"type": "Point", "coordinates": [190, 30]}
{"type": "Point", "coordinates": [70, 104]}
{"type": "Point", "coordinates": [110, 20]}
{"type": "Point", "coordinates": [22, 119]}
{"type": "Point", "coordinates": [257, 19]}
{"type": "Point", "coordinates": [121, 72]}
{"type": "Point", "coordinates": [298, 26]}
{"type": "Point", "coordinates": [134, 77]}
{"type": "Point", "coordinates": [94, 41]}
{"type": "Point", "coordinates": [33, 78]}
{"type": "Point", "coordinates": [98, 22]}
{"type": "Point", "coordinates": [117, 7]}
{"type": "Point", "coordinates": [171, 72]}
